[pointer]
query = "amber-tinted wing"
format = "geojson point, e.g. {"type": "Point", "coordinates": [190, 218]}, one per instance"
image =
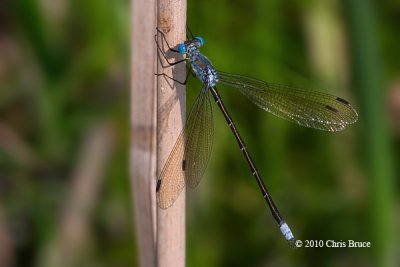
{"type": "Point", "coordinates": [190, 155]}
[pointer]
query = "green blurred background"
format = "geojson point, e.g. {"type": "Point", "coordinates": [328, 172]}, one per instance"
{"type": "Point", "coordinates": [64, 134]}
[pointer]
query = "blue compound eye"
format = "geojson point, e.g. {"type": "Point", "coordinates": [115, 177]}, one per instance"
{"type": "Point", "coordinates": [182, 48]}
{"type": "Point", "coordinates": [200, 39]}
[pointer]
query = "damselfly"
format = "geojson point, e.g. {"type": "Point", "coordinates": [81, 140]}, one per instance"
{"type": "Point", "coordinates": [189, 157]}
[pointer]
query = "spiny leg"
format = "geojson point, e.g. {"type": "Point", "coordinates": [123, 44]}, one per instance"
{"type": "Point", "coordinates": [175, 80]}
{"type": "Point", "coordinates": [165, 40]}
{"type": "Point", "coordinates": [161, 51]}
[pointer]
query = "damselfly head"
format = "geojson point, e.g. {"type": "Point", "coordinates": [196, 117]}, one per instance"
{"type": "Point", "coordinates": [200, 39]}
{"type": "Point", "coordinates": [183, 48]}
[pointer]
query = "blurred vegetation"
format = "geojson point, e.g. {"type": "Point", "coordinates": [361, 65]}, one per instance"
{"type": "Point", "coordinates": [64, 129]}
{"type": "Point", "coordinates": [64, 76]}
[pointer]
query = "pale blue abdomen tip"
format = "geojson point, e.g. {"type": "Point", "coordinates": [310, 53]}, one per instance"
{"type": "Point", "coordinates": [182, 48]}
{"type": "Point", "coordinates": [287, 233]}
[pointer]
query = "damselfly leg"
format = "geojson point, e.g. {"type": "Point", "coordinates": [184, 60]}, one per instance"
{"type": "Point", "coordinates": [161, 49]}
